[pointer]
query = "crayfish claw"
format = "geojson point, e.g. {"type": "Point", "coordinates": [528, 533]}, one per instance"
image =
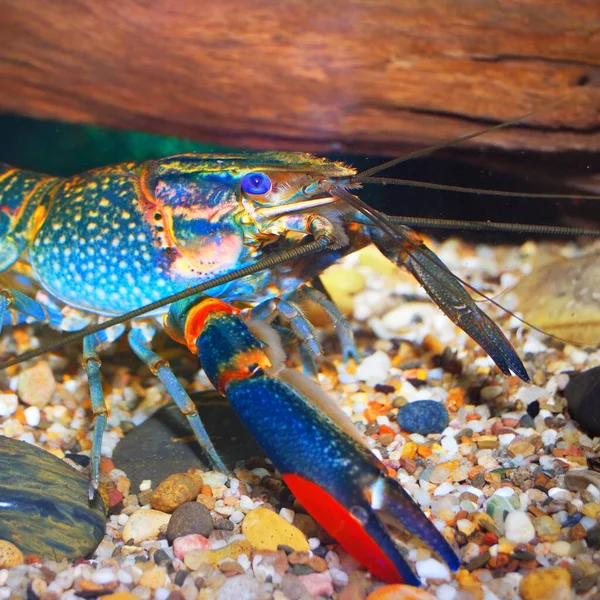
{"type": "Point", "coordinates": [445, 289]}
{"type": "Point", "coordinates": [394, 507]}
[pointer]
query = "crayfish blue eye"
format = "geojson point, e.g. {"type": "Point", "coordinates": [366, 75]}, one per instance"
{"type": "Point", "coordinates": [256, 184]}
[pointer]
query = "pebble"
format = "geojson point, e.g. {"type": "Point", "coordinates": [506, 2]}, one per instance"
{"type": "Point", "coordinates": [10, 555]}
{"type": "Point", "coordinates": [240, 587]}
{"type": "Point", "coordinates": [8, 404]}
{"type": "Point", "coordinates": [36, 385]}
{"type": "Point", "coordinates": [175, 490]}
{"type": "Point", "coordinates": [423, 416]}
{"type": "Point", "coordinates": [317, 584]}
{"type": "Point", "coordinates": [546, 584]}
{"type": "Point", "coordinates": [191, 517]}
{"type": "Point", "coordinates": [546, 528]}
{"type": "Point", "coordinates": [399, 591]}
{"type": "Point", "coordinates": [432, 569]}
{"type": "Point", "coordinates": [144, 524]}
{"type": "Point", "coordinates": [374, 368]}
{"type": "Point", "coordinates": [154, 578]}
{"type": "Point", "coordinates": [194, 559]}
{"type": "Point", "coordinates": [187, 543]}
{"type": "Point", "coordinates": [266, 530]}
{"type": "Point", "coordinates": [518, 527]}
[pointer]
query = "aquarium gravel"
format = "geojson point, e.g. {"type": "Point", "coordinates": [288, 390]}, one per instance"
{"type": "Point", "coordinates": [510, 480]}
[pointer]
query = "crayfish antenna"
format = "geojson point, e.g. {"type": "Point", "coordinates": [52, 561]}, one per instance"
{"type": "Point", "coordinates": [447, 292]}
{"type": "Point", "coordinates": [395, 508]}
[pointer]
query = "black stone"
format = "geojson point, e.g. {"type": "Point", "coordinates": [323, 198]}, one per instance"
{"type": "Point", "coordinates": [45, 509]}
{"type": "Point", "coordinates": [593, 537]}
{"type": "Point", "coordinates": [165, 444]}
{"type": "Point", "coordinates": [533, 409]}
{"type": "Point", "coordinates": [583, 398]}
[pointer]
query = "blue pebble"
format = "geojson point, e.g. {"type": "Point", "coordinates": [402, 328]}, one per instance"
{"type": "Point", "coordinates": [423, 416]}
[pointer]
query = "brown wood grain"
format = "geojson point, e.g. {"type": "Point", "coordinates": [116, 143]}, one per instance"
{"type": "Point", "coordinates": [368, 75]}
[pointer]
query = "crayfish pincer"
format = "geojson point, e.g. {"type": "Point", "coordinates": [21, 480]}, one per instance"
{"type": "Point", "coordinates": [327, 466]}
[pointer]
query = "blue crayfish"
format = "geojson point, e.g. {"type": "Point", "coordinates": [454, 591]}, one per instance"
{"type": "Point", "coordinates": [137, 236]}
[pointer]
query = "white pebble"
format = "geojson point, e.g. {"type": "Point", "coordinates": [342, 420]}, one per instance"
{"type": "Point", "coordinates": [246, 503]}
{"type": "Point", "coordinates": [443, 489]}
{"type": "Point", "coordinates": [162, 593]}
{"type": "Point", "coordinates": [8, 404]}
{"type": "Point", "coordinates": [560, 494]}
{"type": "Point", "coordinates": [549, 437]}
{"type": "Point", "coordinates": [588, 523]}
{"type": "Point", "coordinates": [506, 438]}
{"type": "Point", "coordinates": [560, 548]}
{"type": "Point", "coordinates": [445, 592]}
{"type": "Point", "coordinates": [314, 543]}
{"type": "Point", "coordinates": [237, 516]}
{"type": "Point", "coordinates": [243, 561]}
{"type": "Point", "coordinates": [593, 490]}
{"type": "Point", "coordinates": [518, 527]}
{"type": "Point", "coordinates": [146, 485]}
{"type": "Point", "coordinates": [374, 368]}
{"type": "Point", "coordinates": [287, 514]}
{"type": "Point", "coordinates": [104, 576]}
{"type": "Point", "coordinates": [339, 578]}
{"type": "Point", "coordinates": [450, 445]}
{"type": "Point", "coordinates": [432, 569]}
{"type": "Point", "coordinates": [124, 577]}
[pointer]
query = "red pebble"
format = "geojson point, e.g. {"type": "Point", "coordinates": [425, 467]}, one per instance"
{"type": "Point", "coordinates": [32, 559]}
{"type": "Point", "coordinates": [187, 543]}
{"type": "Point", "coordinates": [510, 422]}
{"type": "Point", "coordinates": [489, 539]}
{"type": "Point", "coordinates": [114, 497]}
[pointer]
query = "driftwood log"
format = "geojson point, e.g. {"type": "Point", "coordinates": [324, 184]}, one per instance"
{"type": "Point", "coordinates": [358, 75]}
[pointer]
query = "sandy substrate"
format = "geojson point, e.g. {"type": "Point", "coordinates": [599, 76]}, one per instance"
{"type": "Point", "coordinates": [498, 481]}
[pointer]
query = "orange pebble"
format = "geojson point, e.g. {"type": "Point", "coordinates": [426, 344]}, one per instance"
{"type": "Point", "coordinates": [206, 490]}
{"type": "Point", "coordinates": [106, 465]}
{"type": "Point", "coordinates": [385, 429]}
{"type": "Point", "coordinates": [399, 591]}
{"type": "Point", "coordinates": [392, 472]}
{"type": "Point", "coordinates": [424, 451]}
{"type": "Point", "coordinates": [370, 415]}
{"type": "Point", "coordinates": [20, 415]}
{"type": "Point", "coordinates": [473, 417]}
{"type": "Point", "coordinates": [456, 398]}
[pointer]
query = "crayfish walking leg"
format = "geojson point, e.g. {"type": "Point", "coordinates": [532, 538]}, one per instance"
{"type": "Point", "coordinates": [320, 456]}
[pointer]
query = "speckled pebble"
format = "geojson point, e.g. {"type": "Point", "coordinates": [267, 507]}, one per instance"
{"type": "Point", "coordinates": [423, 416]}
{"type": "Point", "coordinates": [175, 490]}
{"type": "Point", "coordinates": [546, 584]}
{"type": "Point", "coordinates": [10, 555]}
{"type": "Point", "coordinates": [191, 517]}
{"type": "Point", "coordinates": [266, 530]}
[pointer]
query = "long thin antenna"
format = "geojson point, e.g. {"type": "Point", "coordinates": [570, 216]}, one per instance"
{"type": "Point", "coordinates": [494, 226]}
{"type": "Point", "coordinates": [447, 144]}
{"type": "Point", "coordinates": [468, 190]}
